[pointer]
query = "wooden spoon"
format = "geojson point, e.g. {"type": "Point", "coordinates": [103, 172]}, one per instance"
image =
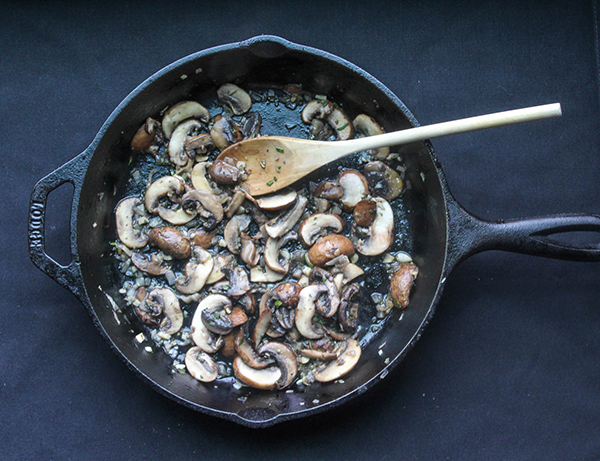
{"type": "Point", "coordinates": [274, 162]}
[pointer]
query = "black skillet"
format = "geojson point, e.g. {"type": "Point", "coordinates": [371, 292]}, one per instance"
{"type": "Point", "coordinates": [439, 232]}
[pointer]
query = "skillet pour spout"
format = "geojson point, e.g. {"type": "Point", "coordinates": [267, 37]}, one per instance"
{"type": "Point", "coordinates": [438, 230]}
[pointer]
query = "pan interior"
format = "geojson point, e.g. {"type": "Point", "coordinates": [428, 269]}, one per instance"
{"type": "Point", "coordinates": [259, 66]}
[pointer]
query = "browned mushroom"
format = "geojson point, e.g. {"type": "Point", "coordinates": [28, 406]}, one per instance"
{"type": "Point", "coordinates": [149, 264]}
{"type": "Point", "coordinates": [383, 180]}
{"type": "Point", "coordinates": [348, 357]}
{"type": "Point", "coordinates": [365, 212]}
{"type": "Point", "coordinates": [148, 137]}
{"type": "Point", "coordinates": [225, 173]}
{"type": "Point", "coordinates": [355, 188]}
{"type": "Point", "coordinates": [171, 241]}
{"type": "Point", "coordinates": [126, 213]}
{"type": "Point", "coordinates": [317, 225]}
{"type": "Point", "coordinates": [402, 282]}
{"type": "Point", "coordinates": [329, 247]}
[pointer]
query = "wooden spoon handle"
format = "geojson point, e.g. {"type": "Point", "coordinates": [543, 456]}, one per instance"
{"type": "Point", "coordinates": [464, 125]}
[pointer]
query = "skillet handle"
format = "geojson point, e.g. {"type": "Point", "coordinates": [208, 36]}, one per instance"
{"type": "Point", "coordinates": [470, 235]}
{"type": "Point", "coordinates": [68, 276]}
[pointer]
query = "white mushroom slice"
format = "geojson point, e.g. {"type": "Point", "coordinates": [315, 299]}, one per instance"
{"type": "Point", "coordinates": [199, 146]}
{"type": "Point", "coordinates": [125, 214]}
{"type": "Point", "coordinates": [319, 109]}
{"type": "Point", "coordinates": [196, 271]}
{"type": "Point", "coordinates": [277, 201]}
{"type": "Point", "coordinates": [285, 358]}
{"type": "Point", "coordinates": [180, 112]}
{"type": "Point", "coordinates": [273, 251]}
{"type": "Point", "coordinates": [200, 365]}
{"type": "Point", "coordinates": [262, 323]}
{"type": "Point", "coordinates": [381, 232]}
{"type": "Point", "coordinates": [236, 202]}
{"type": "Point", "coordinates": [351, 271]}
{"type": "Point", "coordinates": [217, 272]}
{"type": "Point", "coordinates": [366, 126]}
{"type": "Point", "coordinates": [225, 132]}
{"type": "Point", "coordinates": [306, 310]}
{"type": "Point", "coordinates": [233, 230]}
{"type": "Point", "coordinates": [347, 358]}
{"type": "Point", "coordinates": [165, 298]}
{"type": "Point", "coordinates": [284, 223]}
{"type": "Point", "coordinates": [201, 336]}
{"type": "Point", "coordinates": [198, 178]}
{"type": "Point", "coordinates": [319, 224]}
{"type": "Point", "coordinates": [200, 201]}
{"type": "Point", "coordinates": [355, 188]}
{"type": "Point", "coordinates": [173, 188]}
{"type": "Point", "coordinates": [233, 96]}
{"type": "Point", "coordinates": [180, 136]}
{"type": "Point", "coordinates": [249, 251]}
{"type": "Point", "coordinates": [319, 355]}
{"type": "Point", "coordinates": [264, 275]}
{"type": "Point", "coordinates": [266, 378]}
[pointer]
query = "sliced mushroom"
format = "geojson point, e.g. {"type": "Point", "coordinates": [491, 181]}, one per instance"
{"type": "Point", "coordinates": [266, 378]}
{"type": "Point", "coordinates": [328, 305]}
{"type": "Point", "coordinates": [200, 365]}
{"type": "Point", "coordinates": [201, 336]}
{"type": "Point", "coordinates": [285, 358]}
{"type": "Point", "coordinates": [217, 272]}
{"type": "Point", "coordinates": [173, 188]}
{"type": "Point", "coordinates": [264, 320]}
{"type": "Point", "coordinates": [149, 264]}
{"type": "Point", "coordinates": [148, 137]}
{"type": "Point", "coordinates": [171, 241]}
{"type": "Point", "coordinates": [330, 247]}
{"type": "Point", "coordinates": [149, 312]}
{"type": "Point", "coordinates": [198, 178]}
{"type": "Point", "coordinates": [364, 212]}
{"type": "Point", "coordinates": [335, 117]}
{"type": "Point", "coordinates": [199, 146]}
{"type": "Point", "coordinates": [196, 272]}
{"type": "Point", "coordinates": [228, 348]}
{"type": "Point", "coordinates": [381, 232]}
{"type": "Point", "coordinates": [273, 252]}
{"type": "Point", "coordinates": [182, 134]}
{"type": "Point", "coordinates": [126, 213]}
{"type": "Point", "coordinates": [319, 355]}
{"type": "Point", "coordinates": [225, 132]}
{"type": "Point", "coordinates": [276, 201]}
{"type": "Point", "coordinates": [402, 282]}
{"type": "Point", "coordinates": [251, 126]}
{"type": "Point", "coordinates": [287, 293]}
{"type": "Point", "coordinates": [248, 302]}
{"type": "Point", "coordinates": [366, 126]}
{"type": "Point", "coordinates": [205, 204]}
{"type": "Point", "coordinates": [260, 274]}
{"type": "Point", "coordinates": [348, 357]}
{"type": "Point", "coordinates": [355, 188]}
{"type": "Point", "coordinates": [238, 281]}
{"type": "Point", "coordinates": [383, 180]}
{"type": "Point", "coordinates": [284, 223]}
{"type": "Point", "coordinates": [247, 353]}
{"type": "Point", "coordinates": [236, 202]}
{"type": "Point", "coordinates": [306, 310]}
{"type": "Point", "coordinates": [169, 305]}
{"type": "Point", "coordinates": [233, 230]}
{"type": "Point", "coordinates": [201, 237]}
{"type": "Point", "coordinates": [319, 224]}
{"type": "Point", "coordinates": [249, 250]}
{"type": "Point", "coordinates": [180, 112]}
{"type": "Point", "coordinates": [215, 319]}
{"type": "Point", "coordinates": [233, 96]}
{"type": "Point", "coordinates": [348, 311]}
{"type": "Point", "coordinates": [225, 173]}
{"type": "Point", "coordinates": [350, 272]}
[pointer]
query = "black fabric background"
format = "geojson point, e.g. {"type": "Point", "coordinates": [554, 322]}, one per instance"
{"type": "Point", "coordinates": [509, 368]}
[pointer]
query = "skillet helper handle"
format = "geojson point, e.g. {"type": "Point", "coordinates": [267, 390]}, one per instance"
{"type": "Point", "coordinates": [68, 276]}
{"type": "Point", "coordinates": [528, 236]}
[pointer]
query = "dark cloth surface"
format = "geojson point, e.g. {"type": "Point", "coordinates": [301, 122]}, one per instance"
{"type": "Point", "coordinates": [509, 367]}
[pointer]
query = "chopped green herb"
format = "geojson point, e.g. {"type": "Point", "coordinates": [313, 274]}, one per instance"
{"type": "Point", "coordinates": [263, 164]}
{"type": "Point", "coordinates": [274, 178]}
{"type": "Point", "coordinates": [278, 169]}
{"type": "Point", "coordinates": [308, 263]}
{"type": "Point", "coordinates": [269, 183]}
{"type": "Point", "coordinates": [279, 149]}
{"type": "Point", "coordinates": [340, 128]}
{"type": "Point", "coordinates": [278, 303]}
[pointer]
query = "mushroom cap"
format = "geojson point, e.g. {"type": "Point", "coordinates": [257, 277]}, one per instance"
{"type": "Point", "coordinates": [381, 231]}
{"type": "Point", "coordinates": [364, 212]}
{"type": "Point", "coordinates": [171, 241]}
{"type": "Point", "coordinates": [148, 135]}
{"type": "Point", "coordinates": [402, 282]}
{"type": "Point", "coordinates": [383, 180]}
{"type": "Point", "coordinates": [316, 224]}
{"type": "Point", "coordinates": [225, 173]}
{"type": "Point", "coordinates": [201, 336]}
{"type": "Point", "coordinates": [367, 126]}
{"type": "Point", "coordinates": [125, 215]}
{"type": "Point", "coordinates": [286, 361]}
{"type": "Point", "coordinates": [233, 96]}
{"type": "Point", "coordinates": [200, 365]}
{"type": "Point", "coordinates": [347, 358]}
{"type": "Point", "coordinates": [180, 112]}
{"type": "Point", "coordinates": [329, 247]}
{"type": "Point", "coordinates": [355, 188]}
{"type": "Point", "coordinates": [329, 190]}
{"type": "Point", "coordinates": [266, 378]}
{"type": "Point", "coordinates": [197, 272]}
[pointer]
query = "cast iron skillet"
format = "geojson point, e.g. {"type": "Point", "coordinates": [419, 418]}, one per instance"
{"type": "Point", "coordinates": [442, 232]}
